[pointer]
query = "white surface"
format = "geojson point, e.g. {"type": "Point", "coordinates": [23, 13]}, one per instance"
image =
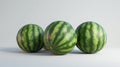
{"type": "Point", "coordinates": [16, 13]}
{"type": "Point", "coordinates": [14, 57]}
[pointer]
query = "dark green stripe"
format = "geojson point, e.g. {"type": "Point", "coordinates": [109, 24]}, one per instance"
{"type": "Point", "coordinates": [34, 40]}
{"type": "Point", "coordinates": [96, 39]}
{"type": "Point", "coordinates": [67, 42]}
{"type": "Point", "coordinates": [53, 27]}
{"type": "Point", "coordinates": [37, 40]}
{"type": "Point", "coordinates": [81, 26]}
{"type": "Point", "coordinates": [105, 36]}
{"type": "Point", "coordinates": [58, 52]}
{"type": "Point", "coordinates": [94, 43]}
{"type": "Point", "coordinates": [27, 38]}
{"type": "Point", "coordinates": [63, 35]}
{"type": "Point", "coordinates": [18, 34]}
{"type": "Point", "coordinates": [31, 38]}
{"type": "Point", "coordinates": [41, 38]}
{"type": "Point", "coordinates": [49, 30]}
{"type": "Point", "coordinates": [98, 36]}
{"type": "Point", "coordinates": [78, 40]}
{"type": "Point", "coordinates": [20, 45]}
{"type": "Point", "coordinates": [61, 53]}
{"type": "Point", "coordinates": [80, 31]}
{"type": "Point", "coordinates": [102, 39]}
{"type": "Point", "coordinates": [66, 47]}
{"type": "Point", "coordinates": [23, 38]}
{"type": "Point", "coordinates": [85, 38]}
{"type": "Point", "coordinates": [91, 40]}
{"type": "Point", "coordinates": [58, 33]}
{"type": "Point", "coordinates": [54, 33]}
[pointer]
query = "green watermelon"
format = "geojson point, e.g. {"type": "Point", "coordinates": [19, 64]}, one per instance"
{"type": "Point", "coordinates": [60, 37]}
{"type": "Point", "coordinates": [91, 37]}
{"type": "Point", "coordinates": [30, 38]}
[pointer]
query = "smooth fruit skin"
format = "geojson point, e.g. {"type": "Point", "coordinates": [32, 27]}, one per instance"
{"type": "Point", "coordinates": [91, 37]}
{"type": "Point", "coordinates": [30, 38]}
{"type": "Point", "coordinates": [60, 37]}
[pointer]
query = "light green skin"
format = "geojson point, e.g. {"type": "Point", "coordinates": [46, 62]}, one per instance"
{"type": "Point", "coordinates": [60, 37]}
{"type": "Point", "coordinates": [91, 37]}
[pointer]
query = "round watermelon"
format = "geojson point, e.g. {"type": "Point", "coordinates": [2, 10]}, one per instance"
{"type": "Point", "coordinates": [91, 37]}
{"type": "Point", "coordinates": [60, 37]}
{"type": "Point", "coordinates": [30, 38]}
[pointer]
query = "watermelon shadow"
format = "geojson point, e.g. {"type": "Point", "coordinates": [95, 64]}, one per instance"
{"type": "Point", "coordinates": [42, 52]}
{"type": "Point", "coordinates": [75, 51]}
{"type": "Point", "coordinates": [10, 50]}
{"type": "Point", "coordinates": [19, 51]}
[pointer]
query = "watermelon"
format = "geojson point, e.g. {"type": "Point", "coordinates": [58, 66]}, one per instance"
{"type": "Point", "coordinates": [60, 37]}
{"type": "Point", "coordinates": [30, 38]}
{"type": "Point", "coordinates": [91, 37]}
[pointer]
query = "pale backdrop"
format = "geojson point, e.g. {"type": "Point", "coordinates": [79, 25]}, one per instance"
{"type": "Point", "coordinates": [16, 13]}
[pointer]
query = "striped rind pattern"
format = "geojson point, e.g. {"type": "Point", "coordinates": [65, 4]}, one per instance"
{"type": "Point", "coordinates": [30, 38]}
{"type": "Point", "coordinates": [60, 37]}
{"type": "Point", "coordinates": [91, 37]}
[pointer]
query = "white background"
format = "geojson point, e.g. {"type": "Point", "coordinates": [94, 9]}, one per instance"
{"type": "Point", "coordinates": [16, 13]}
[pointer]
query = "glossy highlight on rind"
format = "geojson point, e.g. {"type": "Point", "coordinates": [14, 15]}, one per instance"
{"type": "Point", "coordinates": [60, 37]}
{"type": "Point", "coordinates": [30, 38]}
{"type": "Point", "coordinates": [91, 37]}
